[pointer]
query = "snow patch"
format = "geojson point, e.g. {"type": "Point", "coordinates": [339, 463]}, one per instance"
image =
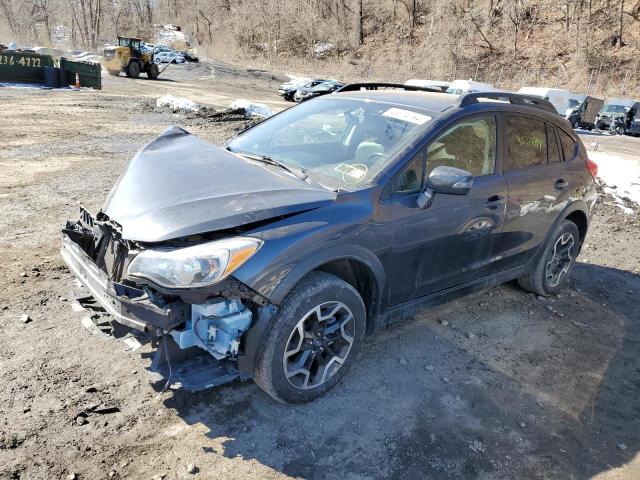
{"type": "Point", "coordinates": [177, 103]}
{"type": "Point", "coordinates": [621, 176]}
{"type": "Point", "coordinates": [250, 108]}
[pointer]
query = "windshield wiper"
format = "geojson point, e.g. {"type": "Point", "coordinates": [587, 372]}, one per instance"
{"type": "Point", "coordinates": [297, 172]}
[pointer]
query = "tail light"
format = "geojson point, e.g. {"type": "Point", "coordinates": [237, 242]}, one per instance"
{"type": "Point", "coordinates": [592, 167]}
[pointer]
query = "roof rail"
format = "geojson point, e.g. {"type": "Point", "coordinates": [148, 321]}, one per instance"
{"type": "Point", "coordinates": [514, 98]}
{"type": "Point", "coordinates": [351, 87]}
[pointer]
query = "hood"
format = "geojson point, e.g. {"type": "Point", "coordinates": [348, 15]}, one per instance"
{"type": "Point", "coordinates": [180, 185]}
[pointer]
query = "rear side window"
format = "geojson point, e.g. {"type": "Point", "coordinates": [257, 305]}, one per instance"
{"type": "Point", "coordinates": [553, 151]}
{"type": "Point", "coordinates": [568, 145]}
{"type": "Point", "coordinates": [526, 142]}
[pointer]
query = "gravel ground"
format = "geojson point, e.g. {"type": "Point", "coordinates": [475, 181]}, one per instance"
{"type": "Point", "coordinates": [496, 385]}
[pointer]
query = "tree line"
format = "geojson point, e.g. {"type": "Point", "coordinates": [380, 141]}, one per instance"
{"type": "Point", "coordinates": [438, 37]}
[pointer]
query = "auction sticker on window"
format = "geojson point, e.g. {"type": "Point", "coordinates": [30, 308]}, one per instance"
{"type": "Point", "coordinates": [407, 116]}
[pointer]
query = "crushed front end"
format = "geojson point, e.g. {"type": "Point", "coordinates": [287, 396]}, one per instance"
{"type": "Point", "coordinates": [199, 337]}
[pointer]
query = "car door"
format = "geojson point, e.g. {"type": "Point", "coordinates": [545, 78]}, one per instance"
{"type": "Point", "coordinates": [453, 240]}
{"type": "Point", "coordinates": [537, 182]}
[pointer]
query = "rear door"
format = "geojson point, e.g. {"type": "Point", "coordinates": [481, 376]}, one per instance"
{"type": "Point", "coordinates": [537, 185]}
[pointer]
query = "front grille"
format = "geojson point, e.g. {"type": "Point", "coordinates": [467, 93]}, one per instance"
{"type": "Point", "coordinates": [112, 255]}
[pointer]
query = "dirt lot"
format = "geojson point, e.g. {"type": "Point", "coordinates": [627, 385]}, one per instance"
{"type": "Point", "coordinates": [497, 385]}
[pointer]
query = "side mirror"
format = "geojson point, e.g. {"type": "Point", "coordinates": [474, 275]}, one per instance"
{"type": "Point", "coordinates": [449, 180]}
{"type": "Point", "coordinates": [445, 180]}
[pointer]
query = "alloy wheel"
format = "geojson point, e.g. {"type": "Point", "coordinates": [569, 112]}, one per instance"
{"type": "Point", "coordinates": [560, 259]}
{"type": "Point", "coordinates": [319, 345]}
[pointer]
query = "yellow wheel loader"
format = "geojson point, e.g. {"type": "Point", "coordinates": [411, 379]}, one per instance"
{"type": "Point", "coordinates": [127, 57]}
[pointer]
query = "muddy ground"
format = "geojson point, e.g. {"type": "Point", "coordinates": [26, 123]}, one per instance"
{"type": "Point", "coordinates": [496, 385]}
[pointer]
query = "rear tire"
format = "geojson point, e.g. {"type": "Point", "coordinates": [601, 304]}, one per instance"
{"type": "Point", "coordinates": [133, 70]}
{"type": "Point", "coordinates": [312, 341]}
{"type": "Point", "coordinates": [556, 262]}
{"type": "Point", "coordinates": [576, 125]}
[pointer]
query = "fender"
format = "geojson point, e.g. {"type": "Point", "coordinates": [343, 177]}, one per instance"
{"type": "Point", "coordinates": [348, 252]}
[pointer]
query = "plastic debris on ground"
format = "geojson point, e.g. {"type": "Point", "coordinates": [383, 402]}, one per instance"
{"type": "Point", "coordinates": [254, 109]}
{"type": "Point", "coordinates": [177, 104]}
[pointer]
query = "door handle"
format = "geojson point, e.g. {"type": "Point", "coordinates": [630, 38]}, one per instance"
{"type": "Point", "coordinates": [494, 201]}
{"type": "Point", "coordinates": [560, 184]}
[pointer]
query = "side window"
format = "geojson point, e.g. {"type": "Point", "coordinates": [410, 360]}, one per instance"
{"type": "Point", "coordinates": [526, 142]}
{"type": "Point", "coordinates": [469, 144]}
{"type": "Point", "coordinates": [409, 179]}
{"type": "Point", "coordinates": [553, 152]}
{"type": "Point", "coordinates": [568, 145]}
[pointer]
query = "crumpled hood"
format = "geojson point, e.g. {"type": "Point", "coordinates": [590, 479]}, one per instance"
{"type": "Point", "coordinates": [180, 185]}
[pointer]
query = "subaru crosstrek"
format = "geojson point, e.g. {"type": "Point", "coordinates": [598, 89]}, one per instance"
{"type": "Point", "coordinates": [272, 258]}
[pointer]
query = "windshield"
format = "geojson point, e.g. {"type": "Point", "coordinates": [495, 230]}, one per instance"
{"type": "Point", "coordinates": [611, 108]}
{"type": "Point", "coordinates": [344, 142]}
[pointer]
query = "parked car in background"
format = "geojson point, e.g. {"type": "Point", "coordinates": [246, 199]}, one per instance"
{"type": "Point", "coordinates": [613, 115]}
{"type": "Point", "coordinates": [561, 99]}
{"type": "Point", "coordinates": [320, 89]}
{"type": "Point", "coordinates": [171, 56]}
{"type": "Point", "coordinates": [271, 259]}
{"type": "Point", "coordinates": [584, 114]}
{"type": "Point", "coordinates": [288, 90]}
{"type": "Point", "coordinates": [460, 87]}
{"type": "Point", "coordinates": [435, 84]}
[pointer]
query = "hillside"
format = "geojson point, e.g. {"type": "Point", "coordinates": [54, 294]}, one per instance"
{"type": "Point", "coordinates": [583, 45]}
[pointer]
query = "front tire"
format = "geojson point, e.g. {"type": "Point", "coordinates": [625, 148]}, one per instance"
{"type": "Point", "coordinates": [153, 71]}
{"type": "Point", "coordinates": [556, 263]}
{"type": "Point", "coordinates": [312, 341]}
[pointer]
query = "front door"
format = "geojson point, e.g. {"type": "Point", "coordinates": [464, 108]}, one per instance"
{"type": "Point", "coordinates": [454, 240]}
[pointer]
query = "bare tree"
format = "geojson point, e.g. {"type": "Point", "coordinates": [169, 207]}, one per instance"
{"type": "Point", "coordinates": [86, 18]}
{"type": "Point", "coordinates": [620, 23]}
{"type": "Point", "coordinates": [516, 12]}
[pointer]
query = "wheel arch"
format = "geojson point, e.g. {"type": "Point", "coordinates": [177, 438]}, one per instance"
{"type": "Point", "coordinates": [577, 212]}
{"type": "Point", "coordinates": [581, 219]}
{"type": "Point", "coordinates": [348, 264]}
{"type": "Point", "coordinates": [355, 265]}
{"type": "Point", "coordinates": [361, 277]}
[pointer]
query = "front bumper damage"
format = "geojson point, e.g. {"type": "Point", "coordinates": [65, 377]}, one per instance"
{"type": "Point", "coordinates": [128, 306]}
{"type": "Point", "coordinates": [197, 345]}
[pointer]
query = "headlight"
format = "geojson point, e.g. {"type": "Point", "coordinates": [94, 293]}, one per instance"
{"type": "Point", "coordinates": [195, 266]}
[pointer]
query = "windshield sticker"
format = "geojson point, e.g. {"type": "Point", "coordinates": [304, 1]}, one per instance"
{"type": "Point", "coordinates": [352, 174]}
{"type": "Point", "coordinates": [407, 116]}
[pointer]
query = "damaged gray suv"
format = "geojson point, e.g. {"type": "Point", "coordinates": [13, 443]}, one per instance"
{"type": "Point", "coordinates": [272, 258]}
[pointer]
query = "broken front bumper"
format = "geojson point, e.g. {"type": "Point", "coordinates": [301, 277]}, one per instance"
{"type": "Point", "coordinates": [127, 305]}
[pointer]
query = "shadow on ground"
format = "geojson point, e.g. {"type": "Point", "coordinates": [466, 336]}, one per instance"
{"type": "Point", "coordinates": [520, 388]}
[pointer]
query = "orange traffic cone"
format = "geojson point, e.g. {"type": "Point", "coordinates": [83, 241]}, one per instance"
{"type": "Point", "coordinates": [77, 80]}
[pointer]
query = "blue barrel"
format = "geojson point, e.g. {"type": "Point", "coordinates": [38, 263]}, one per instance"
{"type": "Point", "coordinates": [51, 78]}
{"type": "Point", "coordinates": [62, 75]}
